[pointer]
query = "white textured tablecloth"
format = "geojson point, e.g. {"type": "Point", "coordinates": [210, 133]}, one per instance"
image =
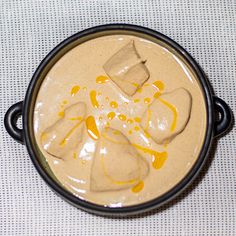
{"type": "Point", "coordinates": [30, 28]}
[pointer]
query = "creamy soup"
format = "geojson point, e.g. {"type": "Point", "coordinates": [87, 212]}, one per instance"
{"type": "Point", "coordinates": [120, 120]}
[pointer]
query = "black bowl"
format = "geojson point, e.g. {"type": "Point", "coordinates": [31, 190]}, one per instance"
{"type": "Point", "coordinates": [214, 126]}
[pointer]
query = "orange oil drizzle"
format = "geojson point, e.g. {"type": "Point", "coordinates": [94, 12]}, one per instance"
{"type": "Point", "coordinates": [157, 95]}
{"type": "Point", "coordinates": [130, 121]}
{"type": "Point", "coordinates": [138, 187]}
{"type": "Point", "coordinates": [92, 128]}
{"type": "Point", "coordinates": [93, 98]}
{"type": "Point", "coordinates": [136, 100]}
{"type": "Point", "coordinates": [75, 155]}
{"type": "Point", "coordinates": [147, 100]}
{"type": "Point", "coordinates": [122, 117]}
{"type": "Point", "coordinates": [101, 79]}
{"type": "Point", "coordinates": [159, 160]}
{"type": "Point", "coordinates": [159, 85]}
{"type": "Point", "coordinates": [175, 113]}
{"type": "Point", "coordinates": [74, 90]}
{"type": "Point", "coordinates": [149, 113]}
{"type": "Point", "coordinates": [61, 113]}
{"type": "Point", "coordinates": [111, 115]}
{"type": "Point", "coordinates": [43, 136]}
{"type": "Point", "coordinates": [113, 104]}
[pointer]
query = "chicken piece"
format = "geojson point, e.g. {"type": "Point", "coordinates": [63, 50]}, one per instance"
{"type": "Point", "coordinates": [116, 165]}
{"type": "Point", "coordinates": [65, 134]}
{"type": "Point", "coordinates": [127, 69]}
{"type": "Point", "coordinates": [167, 116]}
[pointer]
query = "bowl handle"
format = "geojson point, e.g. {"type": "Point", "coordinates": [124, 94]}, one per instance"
{"type": "Point", "coordinates": [10, 121]}
{"type": "Point", "coordinates": [223, 123]}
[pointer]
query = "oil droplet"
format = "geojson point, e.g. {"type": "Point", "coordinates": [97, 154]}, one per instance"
{"type": "Point", "coordinates": [65, 102]}
{"type": "Point", "coordinates": [146, 85]}
{"type": "Point", "coordinates": [126, 103]}
{"type": "Point", "coordinates": [159, 85]}
{"type": "Point", "coordinates": [99, 93]}
{"type": "Point", "coordinates": [93, 98]}
{"type": "Point", "coordinates": [137, 119]}
{"type": "Point", "coordinates": [76, 118]}
{"type": "Point", "coordinates": [122, 117]}
{"type": "Point", "coordinates": [137, 188]}
{"type": "Point", "coordinates": [116, 132]}
{"type": "Point", "coordinates": [100, 118]}
{"type": "Point", "coordinates": [43, 136]}
{"type": "Point", "coordinates": [159, 160]}
{"type": "Point", "coordinates": [111, 115]}
{"type": "Point", "coordinates": [83, 162]}
{"type": "Point", "coordinates": [74, 90]}
{"type": "Point", "coordinates": [107, 124]}
{"type": "Point", "coordinates": [85, 88]}
{"type": "Point", "coordinates": [101, 79]}
{"type": "Point", "coordinates": [130, 132]}
{"type": "Point", "coordinates": [140, 90]}
{"type": "Point", "coordinates": [113, 104]}
{"type": "Point", "coordinates": [107, 98]}
{"type": "Point", "coordinates": [157, 95]}
{"type": "Point", "coordinates": [61, 113]}
{"type": "Point", "coordinates": [136, 128]}
{"type": "Point", "coordinates": [75, 155]}
{"type": "Point", "coordinates": [92, 128]}
{"type": "Point", "coordinates": [135, 84]}
{"type": "Point", "coordinates": [147, 100]}
{"type": "Point", "coordinates": [130, 121]}
{"type": "Point", "coordinates": [136, 100]}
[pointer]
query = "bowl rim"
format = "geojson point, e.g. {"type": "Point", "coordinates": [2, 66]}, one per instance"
{"type": "Point", "coordinates": [167, 196]}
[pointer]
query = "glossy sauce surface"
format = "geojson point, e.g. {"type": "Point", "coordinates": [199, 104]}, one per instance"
{"type": "Point", "coordinates": [79, 76]}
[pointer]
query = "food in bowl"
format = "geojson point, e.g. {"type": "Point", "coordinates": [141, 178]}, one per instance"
{"type": "Point", "coordinates": [120, 120]}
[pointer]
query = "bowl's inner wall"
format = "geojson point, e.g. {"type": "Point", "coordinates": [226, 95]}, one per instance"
{"type": "Point", "coordinates": [60, 51]}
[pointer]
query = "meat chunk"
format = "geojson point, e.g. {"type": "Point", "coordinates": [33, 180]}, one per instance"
{"type": "Point", "coordinates": [116, 165]}
{"type": "Point", "coordinates": [65, 134]}
{"type": "Point", "coordinates": [168, 115]}
{"type": "Point", "coordinates": [126, 69]}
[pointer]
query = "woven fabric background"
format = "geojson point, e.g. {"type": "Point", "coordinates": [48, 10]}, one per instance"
{"type": "Point", "coordinates": [29, 29]}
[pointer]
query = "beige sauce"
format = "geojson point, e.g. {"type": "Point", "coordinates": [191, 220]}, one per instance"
{"type": "Point", "coordinates": [79, 76]}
